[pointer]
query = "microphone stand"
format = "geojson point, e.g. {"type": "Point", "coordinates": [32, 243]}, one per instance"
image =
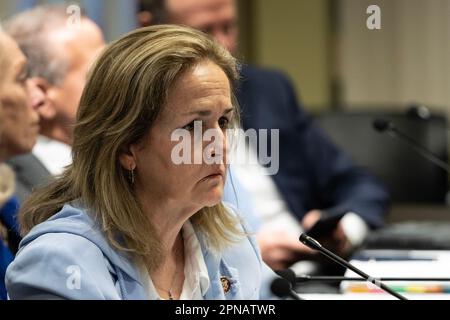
{"type": "Point", "coordinates": [315, 245]}
{"type": "Point", "coordinates": [382, 125]}
{"type": "Point", "coordinates": [395, 133]}
{"type": "Point", "coordinates": [283, 288]}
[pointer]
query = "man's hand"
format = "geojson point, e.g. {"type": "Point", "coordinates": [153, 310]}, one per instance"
{"type": "Point", "coordinates": [280, 250]}
{"type": "Point", "coordinates": [336, 241]}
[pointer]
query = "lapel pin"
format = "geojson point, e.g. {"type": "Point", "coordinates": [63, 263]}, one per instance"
{"type": "Point", "coordinates": [226, 284]}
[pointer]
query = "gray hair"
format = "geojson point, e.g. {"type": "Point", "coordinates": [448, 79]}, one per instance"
{"type": "Point", "coordinates": [30, 30]}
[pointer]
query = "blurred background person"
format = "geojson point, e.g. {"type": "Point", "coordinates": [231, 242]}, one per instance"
{"type": "Point", "coordinates": [135, 224]}
{"type": "Point", "coordinates": [316, 180]}
{"type": "Point", "coordinates": [59, 55]}
{"type": "Point", "coordinates": [19, 126]}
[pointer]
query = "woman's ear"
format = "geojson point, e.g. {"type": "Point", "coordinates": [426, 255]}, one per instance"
{"type": "Point", "coordinates": [128, 159]}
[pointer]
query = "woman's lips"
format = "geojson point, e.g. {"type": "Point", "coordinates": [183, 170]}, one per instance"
{"type": "Point", "coordinates": [216, 175]}
{"type": "Point", "coordinates": [213, 176]}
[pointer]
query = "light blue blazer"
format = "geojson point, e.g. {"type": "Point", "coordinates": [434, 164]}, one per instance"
{"type": "Point", "coordinates": [67, 257]}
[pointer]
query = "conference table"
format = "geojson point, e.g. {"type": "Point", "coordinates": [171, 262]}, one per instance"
{"type": "Point", "coordinates": [416, 274]}
{"type": "Point", "coordinates": [378, 296]}
{"type": "Point", "coordinates": [401, 262]}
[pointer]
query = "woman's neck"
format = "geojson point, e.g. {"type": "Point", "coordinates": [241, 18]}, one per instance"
{"type": "Point", "coordinates": [168, 278]}
{"type": "Point", "coordinates": [167, 216]}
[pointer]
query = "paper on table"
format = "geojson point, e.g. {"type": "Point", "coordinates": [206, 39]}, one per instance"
{"type": "Point", "coordinates": [439, 267]}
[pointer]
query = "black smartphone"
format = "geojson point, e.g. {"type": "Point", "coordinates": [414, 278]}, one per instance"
{"type": "Point", "coordinates": [324, 226]}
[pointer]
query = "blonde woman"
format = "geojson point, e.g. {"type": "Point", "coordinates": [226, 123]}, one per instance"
{"type": "Point", "coordinates": [125, 221]}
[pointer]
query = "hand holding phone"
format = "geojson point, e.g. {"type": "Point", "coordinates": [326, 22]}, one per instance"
{"type": "Point", "coordinates": [324, 226]}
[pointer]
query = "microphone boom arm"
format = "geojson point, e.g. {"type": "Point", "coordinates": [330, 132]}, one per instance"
{"type": "Point", "coordinates": [394, 133]}
{"type": "Point", "coordinates": [315, 245]}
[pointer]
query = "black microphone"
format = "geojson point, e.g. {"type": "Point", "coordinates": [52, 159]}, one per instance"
{"type": "Point", "coordinates": [282, 288]}
{"type": "Point", "coordinates": [315, 245]}
{"type": "Point", "coordinates": [419, 112]}
{"type": "Point", "coordinates": [288, 274]}
{"type": "Point", "coordinates": [382, 125]}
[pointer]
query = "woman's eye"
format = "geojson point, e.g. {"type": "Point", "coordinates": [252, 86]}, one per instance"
{"type": "Point", "coordinates": [190, 126]}
{"type": "Point", "coordinates": [224, 122]}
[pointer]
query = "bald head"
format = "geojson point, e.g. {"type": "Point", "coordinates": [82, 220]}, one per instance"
{"type": "Point", "coordinates": [218, 18]}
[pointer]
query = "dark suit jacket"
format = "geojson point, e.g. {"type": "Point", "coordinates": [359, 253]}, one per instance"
{"type": "Point", "coordinates": [30, 173]}
{"type": "Point", "coordinates": [8, 219]}
{"type": "Point", "coordinates": [313, 172]}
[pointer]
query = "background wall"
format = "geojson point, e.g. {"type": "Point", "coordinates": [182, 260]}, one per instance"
{"type": "Point", "coordinates": [407, 61]}
{"type": "Point", "coordinates": [293, 36]}
{"type": "Point", "coordinates": [326, 48]}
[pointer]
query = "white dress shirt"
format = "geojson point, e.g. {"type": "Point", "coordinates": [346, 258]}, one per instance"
{"type": "Point", "coordinates": [54, 155]}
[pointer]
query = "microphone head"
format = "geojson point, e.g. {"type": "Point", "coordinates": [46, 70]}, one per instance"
{"type": "Point", "coordinates": [310, 242]}
{"type": "Point", "coordinates": [287, 274]}
{"type": "Point", "coordinates": [382, 125]}
{"type": "Point", "coordinates": [281, 287]}
{"type": "Point", "coordinates": [419, 112]}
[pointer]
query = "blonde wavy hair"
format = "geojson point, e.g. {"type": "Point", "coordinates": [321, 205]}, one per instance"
{"type": "Point", "coordinates": [126, 90]}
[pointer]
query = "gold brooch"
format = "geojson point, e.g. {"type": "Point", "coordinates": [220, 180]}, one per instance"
{"type": "Point", "coordinates": [226, 284]}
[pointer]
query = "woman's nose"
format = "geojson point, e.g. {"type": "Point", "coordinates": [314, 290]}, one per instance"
{"type": "Point", "coordinates": [216, 145]}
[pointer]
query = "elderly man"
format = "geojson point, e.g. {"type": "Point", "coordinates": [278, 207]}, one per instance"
{"type": "Point", "coordinates": [60, 55]}
{"type": "Point", "coordinates": [315, 178]}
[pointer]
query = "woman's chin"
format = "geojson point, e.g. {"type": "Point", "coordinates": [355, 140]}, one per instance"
{"type": "Point", "coordinates": [214, 198]}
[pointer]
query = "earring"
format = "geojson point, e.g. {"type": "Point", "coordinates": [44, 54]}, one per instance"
{"type": "Point", "coordinates": [132, 175]}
